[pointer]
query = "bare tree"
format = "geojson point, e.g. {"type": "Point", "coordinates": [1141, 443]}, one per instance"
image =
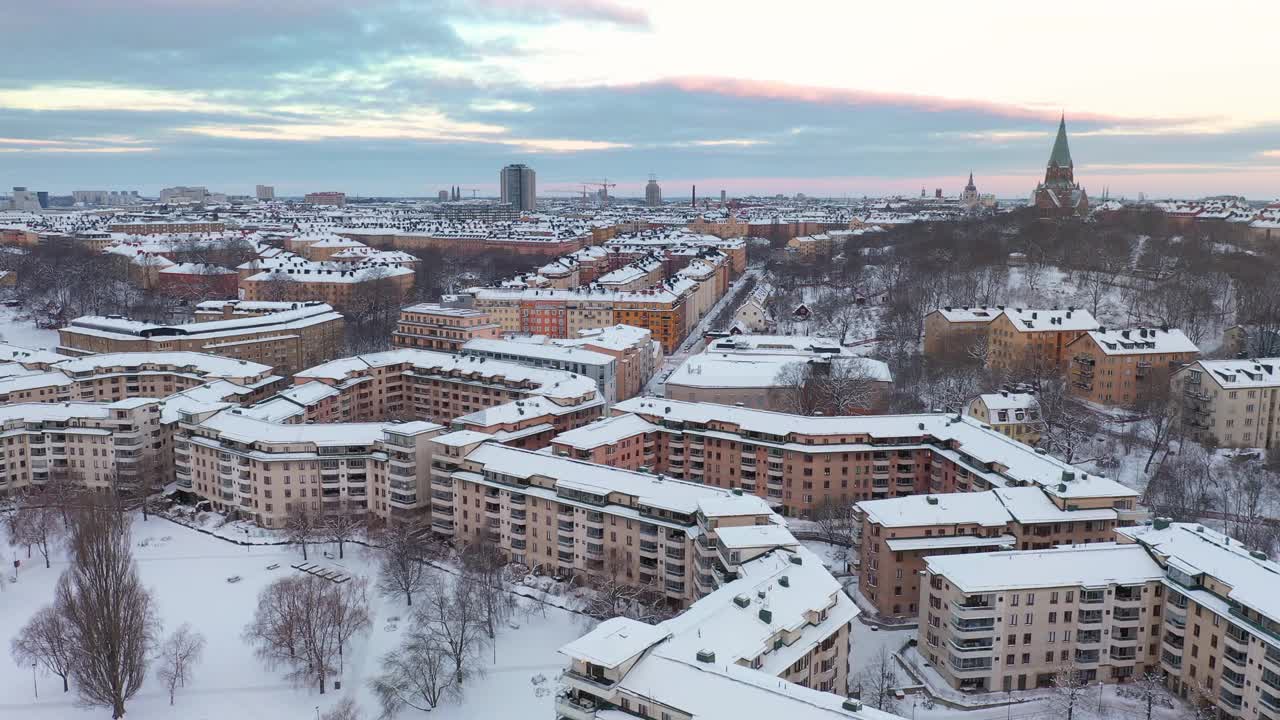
{"type": "Point", "coordinates": [178, 657]}
{"type": "Point", "coordinates": [1069, 691]}
{"type": "Point", "coordinates": [1151, 693]}
{"type": "Point", "coordinates": [47, 639]}
{"type": "Point", "coordinates": [340, 527]}
{"type": "Point", "coordinates": [457, 621]}
{"type": "Point", "coordinates": [878, 682]}
{"type": "Point", "coordinates": [485, 568]}
{"type": "Point", "coordinates": [615, 595]}
{"type": "Point", "coordinates": [1247, 496]}
{"type": "Point", "coordinates": [35, 524]}
{"type": "Point", "coordinates": [301, 622]}
{"type": "Point", "coordinates": [1158, 412]}
{"type": "Point", "coordinates": [1184, 486]}
{"type": "Point", "coordinates": [838, 524]}
{"type": "Point", "coordinates": [349, 608]}
{"type": "Point", "coordinates": [419, 674]}
{"type": "Point", "coordinates": [301, 526]}
{"type": "Point", "coordinates": [112, 616]}
{"type": "Point", "coordinates": [400, 569]}
{"type": "Point", "coordinates": [344, 709]}
{"type": "Point", "coordinates": [848, 386]}
{"type": "Point", "coordinates": [796, 383]}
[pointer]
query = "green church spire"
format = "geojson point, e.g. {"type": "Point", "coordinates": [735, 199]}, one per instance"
{"type": "Point", "coordinates": [1061, 155]}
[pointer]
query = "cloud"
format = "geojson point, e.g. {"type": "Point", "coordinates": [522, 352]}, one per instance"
{"type": "Point", "coordinates": [46, 98]}
{"type": "Point", "coordinates": [728, 142]}
{"type": "Point", "coordinates": [597, 10]}
{"type": "Point", "coordinates": [90, 145]}
{"type": "Point", "coordinates": [500, 106]}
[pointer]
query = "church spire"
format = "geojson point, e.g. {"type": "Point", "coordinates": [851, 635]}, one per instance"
{"type": "Point", "coordinates": [1061, 155]}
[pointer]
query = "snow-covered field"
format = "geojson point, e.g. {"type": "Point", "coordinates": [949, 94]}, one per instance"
{"type": "Point", "coordinates": [188, 571]}
{"type": "Point", "coordinates": [18, 330]}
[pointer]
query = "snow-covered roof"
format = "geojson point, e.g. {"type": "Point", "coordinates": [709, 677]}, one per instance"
{"type": "Point", "coordinates": [1196, 549]}
{"type": "Point", "coordinates": [1033, 320]}
{"type": "Point", "coordinates": [949, 542]}
{"type": "Point", "coordinates": [605, 431]}
{"type": "Point", "coordinates": [517, 350]}
{"type": "Point", "coordinates": [652, 490]}
{"type": "Point", "coordinates": [755, 536]}
{"type": "Point", "coordinates": [966, 441]}
{"type": "Point", "coordinates": [751, 370]}
{"type": "Point", "coordinates": [975, 314]}
{"type": "Point", "coordinates": [1088, 566]}
{"type": "Point", "coordinates": [1141, 341]}
{"type": "Point", "coordinates": [1232, 374]}
{"type": "Point", "coordinates": [977, 508]}
{"type": "Point", "coordinates": [1008, 401]}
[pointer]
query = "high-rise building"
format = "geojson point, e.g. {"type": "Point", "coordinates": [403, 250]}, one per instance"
{"type": "Point", "coordinates": [518, 187]}
{"type": "Point", "coordinates": [442, 196]}
{"type": "Point", "coordinates": [266, 192]}
{"type": "Point", "coordinates": [326, 198]}
{"type": "Point", "coordinates": [652, 193]}
{"type": "Point", "coordinates": [24, 199]}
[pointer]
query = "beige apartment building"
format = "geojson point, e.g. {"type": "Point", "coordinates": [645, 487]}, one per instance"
{"type": "Point", "coordinates": [1230, 403]}
{"type": "Point", "coordinates": [263, 470]}
{"type": "Point", "coordinates": [898, 534]}
{"type": "Point", "coordinates": [426, 385]}
{"type": "Point", "coordinates": [1013, 620]}
{"type": "Point", "coordinates": [1220, 636]}
{"type": "Point", "coordinates": [577, 519]}
{"type": "Point", "coordinates": [103, 446]}
{"type": "Point", "coordinates": [111, 377]}
{"type": "Point", "coordinates": [772, 643]}
{"type": "Point", "coordinates": [1123, 368]}
{"type": "Point", "coordinates": [431, 326]}
{"type": "Point", "coordinates": [1178, 599]}
{"type": "Point", "coordinates": [338, 287]}
{"type": "Point", "coordinates": [798, 463]}
{"type": "Point", "coordinates": [1016, 415]}
{"type": "Point", "coordinates": [287, 341]}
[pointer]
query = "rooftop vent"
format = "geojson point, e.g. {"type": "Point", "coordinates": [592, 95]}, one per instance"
{"type": "Point", "coordinates": [797, 560]}
{"type": "Point", "coordinates": [1161, 523]}
{"type": "Point", "coordinates": [852, 705]}
{"type": "Point", "coordinates": [766, 615]}
{"type": "Point", "coordinates": [706, 656]}
{"type": "Point", "coordinates": [741, 601]}
{"type": "Point", "coordinates": [931, 499]}
{"type": "Point", "coordinates": [1257, 555]}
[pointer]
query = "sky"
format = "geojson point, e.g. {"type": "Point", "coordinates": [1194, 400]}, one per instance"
{"type": "Point", "coordinates": [837, 98]}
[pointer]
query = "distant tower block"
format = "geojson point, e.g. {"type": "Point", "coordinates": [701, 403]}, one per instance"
{"type": "Point", "coordinates": [652, 192]}
{"type": "Point", "coordinates": [721, 198]}
{"type": "Point", "coordinates": [693, 202]}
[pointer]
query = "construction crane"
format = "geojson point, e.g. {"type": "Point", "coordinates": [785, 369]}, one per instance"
{"type": "Point", "coordinates": [604, 186]}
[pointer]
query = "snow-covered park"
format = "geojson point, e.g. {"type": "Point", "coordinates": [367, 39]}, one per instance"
{"type": "Point", "coordinates": [189, 573]}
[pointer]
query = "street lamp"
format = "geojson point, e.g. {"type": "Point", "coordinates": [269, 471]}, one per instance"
{"type": "Point", "coordinates": [1100, 686]}
{"type": "Point", "coordinates": [34, 687]}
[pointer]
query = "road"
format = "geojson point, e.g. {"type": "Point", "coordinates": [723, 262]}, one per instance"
{"type": "Point", "coordinates": [693, 344]}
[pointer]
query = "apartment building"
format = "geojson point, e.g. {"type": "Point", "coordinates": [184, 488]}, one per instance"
{"type": "Point", "coordinates": [262, 470]}
{"type": "Point", "coordinates": [167, 227]}
{"type": "Point", "coordinates": [601, 368]}
{"type": "Point", "coordinates": [572, 518]}
{"type": "Point", "coordinates": [103, 446]}
{"type": "Point", "coordinates": [228, 309]}
{"type": "Point", "coordinates": [1230, 403]}
{"type": "Point", "coordinates": [636, 353]}
{"type": "Point", "coordinates": [897, 534]}
{"type": "Point", "coordinates": [426, 385]}
{"type": "Point", "coordinates": [1006, 621]}
{"type": "Point", "coordinates": [112, 377]}
{"type": "Point", "coordinates": [1014, 414]}
{"type": "Point", "coordinates": [957, 331]}
{"type": "Point", "coordinates": [798, 463]}
{"type": "Point", "coordinates": [1124, 368]}
{"type": "Point", "coordinates": [1019, 339]}
{"type": "Point", "coordinates": [287, 341]}
{"type": "Point", "coordinates": [772, 643]}
{"type": "Point", "coordinates": [432, 326]}
{"type": "Point", "coordinates": [330, 197]}
{"type": "Point", "coordinates": [1220, 638]}
{"type": "Point", "coordinates": [337, 286]}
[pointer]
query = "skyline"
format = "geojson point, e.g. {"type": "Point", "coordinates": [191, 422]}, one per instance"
{"type": "Point", "coordinates": [383, 98]}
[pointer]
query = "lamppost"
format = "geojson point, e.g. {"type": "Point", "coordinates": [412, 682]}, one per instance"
{"type": "Point", "coordinates": [34, 687]}
{"type": "Point", "coordinates": [1100, 686]}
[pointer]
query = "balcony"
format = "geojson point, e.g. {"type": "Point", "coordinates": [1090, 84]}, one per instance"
{"type": "Point", "coordinates": [1234, 656]}
{"type": "Point", "coordinates": [1089, 637]}
{"type": "Point", "coordinates": [1092, 597]}
{"type": "Point", "coordinates": [976, 625]}
{"type": "Point", "coordinates": [571, 708]}
{"type": "Point", "coordinates": [1090, 617]}
{"type": "Point", "coordinates": [1174, 641]}
{"type": "Point", "coordinates": [1171, 659]}
{"type": "Point", "coordinates": [979, 645]}
{"type": "Point", "coordinates": [969, 664]}
{"type": "Point", "coordinates": [1232, 678]}
{"type": "Point", "coordinates": [1087, 657]}
{"type": "Point", "coordinates": [973, 608]}
{"type": "Point", "coordinates": [1127, 615]}
{"type": "Point", "coordinates": [648, 548]}
{"type": "Point", "coordinates": [1230, 699]}
{"type": "Point", "coordinates": [1124, 653]}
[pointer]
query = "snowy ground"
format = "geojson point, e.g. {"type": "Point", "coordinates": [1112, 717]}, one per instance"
{"type": "Point", "coordinates": [18, 330]}
{"type": "Point", "coordinates": [188, 571]}
{"type": "Point", "coordinates": [834, 557]}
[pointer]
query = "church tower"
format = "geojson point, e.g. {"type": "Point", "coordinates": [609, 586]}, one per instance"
{"type": "Point", "coordinates": [970, 195]}
{"type": "Point", "coordinates": [1060, 195]}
